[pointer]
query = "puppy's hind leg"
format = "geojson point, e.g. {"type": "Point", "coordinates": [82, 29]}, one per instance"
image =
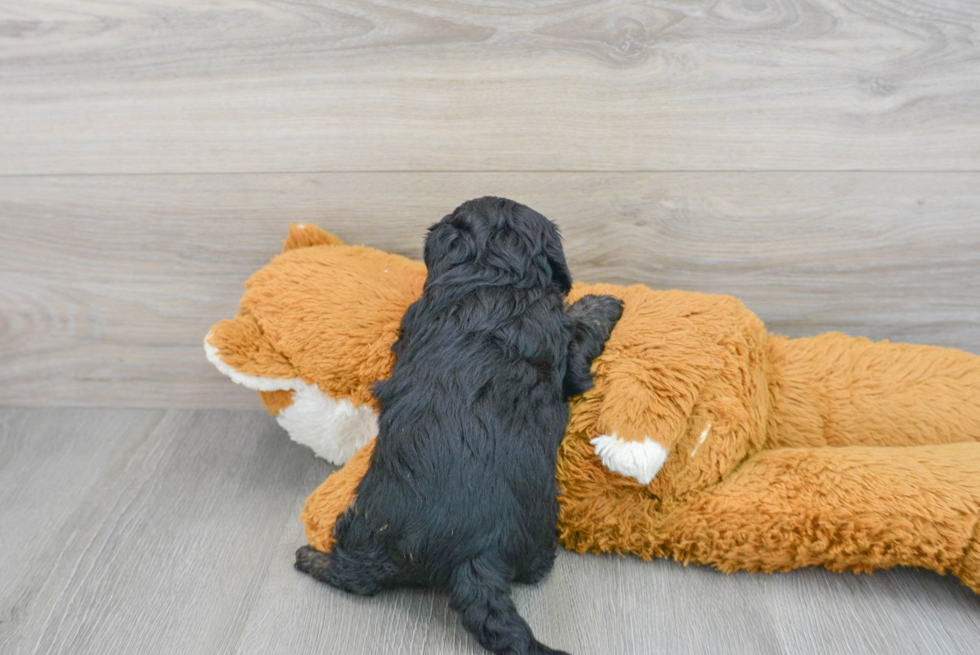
{"type": "Point", "coordinates": [357, 564]}
{"type": "Point", "coordinates": [313, 562]}
{"type": "Point", "coordinates": [538, 567]}
{"type": "Point", "coordinates": [478, 591]}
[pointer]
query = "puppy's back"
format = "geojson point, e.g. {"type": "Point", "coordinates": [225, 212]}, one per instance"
{"type": "Point", "coordinates": [461, 488]}
{"type": "Point", "coordinates": [472, 416]}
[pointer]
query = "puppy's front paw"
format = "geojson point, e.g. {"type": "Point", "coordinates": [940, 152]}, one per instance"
{"type": "Point", "coordinates": [599, 311]}
{"type": "Point", "coordinates": [608, 309]}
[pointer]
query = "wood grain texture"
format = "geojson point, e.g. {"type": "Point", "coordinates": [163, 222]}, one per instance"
{"type": "Point", "coordinates": [813, 609]}
{"type": "Point", "coordinates": [49, 462]}
{"type": "Point", "coordinates": [89, 86]}
{"type": "Point", "coordinates": [109, 284]}
{"type": "Point", "coordinates": [141, 531]}
{"type": "Point", "coordinates": [163, 551]}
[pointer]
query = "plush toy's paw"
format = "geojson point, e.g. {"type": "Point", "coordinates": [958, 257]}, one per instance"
{"type": "Point", "coordinates": [312, 562]}
{"type": "Point", "coordinates": [640, 460]}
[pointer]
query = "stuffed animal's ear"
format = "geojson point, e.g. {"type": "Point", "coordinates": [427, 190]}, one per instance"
{"type": "Point", "coordinates": [240, 349]}
{"type": "Point", "coordinates": [303, 235]}
{"type": "Point", "coordinates": [332, 498]}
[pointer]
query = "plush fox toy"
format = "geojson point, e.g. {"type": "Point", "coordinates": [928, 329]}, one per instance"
{"type": "Point", "coordinates": [704, 438]}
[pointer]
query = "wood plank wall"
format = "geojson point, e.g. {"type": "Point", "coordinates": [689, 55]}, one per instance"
{"type": "Point", "coordinates": [819, 159]}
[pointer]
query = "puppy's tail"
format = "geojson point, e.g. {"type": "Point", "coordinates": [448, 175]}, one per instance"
{"type": "Point", "coordinates": [479, 593]}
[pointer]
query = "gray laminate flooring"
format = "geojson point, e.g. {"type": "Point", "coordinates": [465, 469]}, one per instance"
{"type": "Point", "coordinates": [164, 531]}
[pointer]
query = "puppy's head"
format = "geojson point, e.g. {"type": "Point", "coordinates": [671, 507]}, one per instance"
{"type": "Point", "coordinates": [500, 238]}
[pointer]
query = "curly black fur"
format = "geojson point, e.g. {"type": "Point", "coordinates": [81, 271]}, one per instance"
{"type": "Point", "coordinates": [460, 491]}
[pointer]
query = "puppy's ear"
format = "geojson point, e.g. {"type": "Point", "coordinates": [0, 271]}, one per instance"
{"type": "Point", "coordinates": [560, 274]}
{"type": "Point", "coordinates": [436, 243]}
{"type": "Point", "coordinates": [447, 245]}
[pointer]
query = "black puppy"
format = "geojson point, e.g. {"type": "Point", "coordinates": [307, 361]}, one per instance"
{"type": "Point", "coordinates": [461, 491]}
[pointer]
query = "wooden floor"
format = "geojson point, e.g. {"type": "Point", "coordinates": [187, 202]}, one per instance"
{"type": "Point", "coordinates": [172, 531]}
{"type": "Point", "coordinates": [818, 158]}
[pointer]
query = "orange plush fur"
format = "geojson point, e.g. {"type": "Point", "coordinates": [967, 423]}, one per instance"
{"type": "Point", "coordinates": [705, 438]}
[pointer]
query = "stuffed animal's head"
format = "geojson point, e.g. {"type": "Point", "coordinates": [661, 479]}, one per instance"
{"type": "Point", "coordinates": [314, 331]}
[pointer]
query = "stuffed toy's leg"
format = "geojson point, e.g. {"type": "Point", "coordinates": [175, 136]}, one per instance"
{"type": "Point", "coordinates": [847, 509]}
{"type": "Point", "coordinates": [836, 390]}
{"type": "Point", "coordinates": [332, 497]}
